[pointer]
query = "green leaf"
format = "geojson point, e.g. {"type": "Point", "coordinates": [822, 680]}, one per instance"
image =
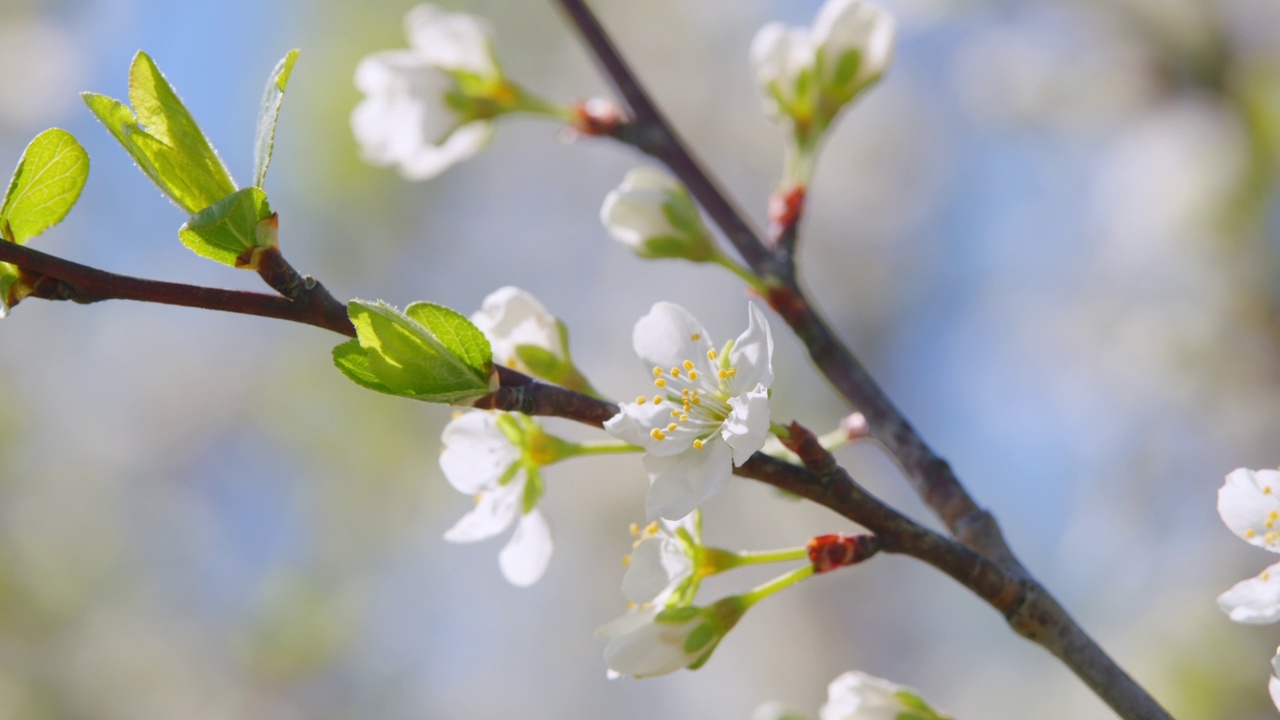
{"type": "Point", "coordinates": [352, 361]}
{"type": "Point", "coordinates": [427, 352]}
{"type": "Point", "coordinates": [230, 231]}
{"type": "Point", "coordinates": [45, 185]}
{"type": "Point", "coordinates": [171, 149]}
{"type": "Point", "coordinates": [272, 97]}
{"type": "Point", "coordinates": [161, 112]}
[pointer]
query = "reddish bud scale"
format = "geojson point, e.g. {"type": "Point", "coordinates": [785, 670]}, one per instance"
{"type": "Point", "coordinates": [597, 118]}
{"type": "Point", "coordinates": [828, 552]}
{"type": "Point", "coordinates": [785, 208]}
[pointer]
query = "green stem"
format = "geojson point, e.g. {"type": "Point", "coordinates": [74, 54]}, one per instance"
{"type": "Point", "coordinates": [746, 275]}
{"type": "Point", "coordinates": [782, 431]}
{"type": "Point", "coordinates": [602, 447]}
{"type": "Point", "coordinates": [759, 557]}
{"type": "Point", "coordinates": [781, 582]}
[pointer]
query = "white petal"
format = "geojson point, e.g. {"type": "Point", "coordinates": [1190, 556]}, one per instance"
{"type": "Point", "coordinates": [747, 427]}
{"type": "Point", "coordinates": [859, 696]}
{"type": "Point", "coordinates": [681, 483]}
{"type": "Point", "coordinates": [1255, 601]}
{"type": "Point", "coordinates": [668, 336]}
{"type": "Point", "coordinates": [776, 711]}
{"type": "Point", "coordinates": [851, 25]}
{"type": "Point", "coordinates": [509, 317]}
{"type": "Point", "coordinates": [1249, 503]}
{"type": "Point", "coordinates": [1273, 685]}
{"type": "Point", "coordinates": [752, 353]}
{"type": "Point", "coordinates": [633, 216]}
{"type": "Point", "coordinates": [491, 515]}
{"type": "Point", "coordinates": [476, 453]}
{"type": "Point", "coordinates": [658, 564]}
{"type": "Point", "coordinates": [640, 647]}
{"type": "Point", "coordinates": [430, 160]}
{"type": "Point", "coordinates": [456, 41]}
{"type": "Point", "coordinates": [634, 424]}
{"type": "Point", "coordinates": [778, 55]}
{"type": "Point", "coordinates": [527, 554]}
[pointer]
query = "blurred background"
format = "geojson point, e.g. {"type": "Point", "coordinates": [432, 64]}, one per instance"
{"type": "Point", "coordinates": [1051, 232]}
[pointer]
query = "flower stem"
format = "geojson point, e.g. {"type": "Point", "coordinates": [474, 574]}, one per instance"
{"type": "Point", "coordinates": [747, 276]}
{"type": "Point", "coordinates": [759, 557]}
{"type": "Point", "coordinates": [602, 447]}
{"type": "Point", "coordinates": [781, 582]}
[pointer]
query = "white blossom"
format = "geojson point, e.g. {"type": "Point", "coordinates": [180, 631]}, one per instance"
{"type": "Point", "coordinates": [711, 411]}
{"type": "Point", "coordinates": [641, 646]}
{"type": "Point", "coordinates": [807, 74]}
{"type": "Point", "coordinates": [662, 562]}
{"type": "Point", "coordinates": [1249, 506]}
{"type": "Point", "coordinates": [652, 213]}
{"type": "Point", "coordinates": [510, 317]}
{"type": "Point", "coordinates": [859, 696]}
{"type": "Point", "coordinates": [415, 115]}
{"type": "Point", "coordinates": [482, 460]}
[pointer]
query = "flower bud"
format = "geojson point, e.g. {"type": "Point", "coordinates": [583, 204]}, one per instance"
{"type": "Point", "coordinates": [652, 213]}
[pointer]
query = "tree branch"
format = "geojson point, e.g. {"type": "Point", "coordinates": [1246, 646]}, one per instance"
{"type": "Point", "coordinates": [994, 573]}
{"type": "Point", "coordinates": [66, 280]}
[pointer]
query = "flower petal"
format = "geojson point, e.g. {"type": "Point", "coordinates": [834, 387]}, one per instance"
{"type": "Point", "coordinates": [681, 483]}
{"type": "Point", "coordinates": [845, 26]}
{"type": "Point", "coordinates": [658, 564]}
{"type": "Point", "coordinates": [1255, 601]}
{"type": "Point", "coordinates": [527, 554]}
{"type": "Point", "coordinates": [1249, 503]}
{"type": "Point", "coordinates": [669, 335]}
{"type": "Point", "coordinates": [1273, 685]}
{"type": "Point", "coordinates": [635, 422]}
{"type": "Point", "coordinates": [429, 160]}
{"type": "Point", "coordinates": [476, 453]}
{"type": "Point", "coordinates": [859, 696]}
{"type": "Point", "coordinates": [747, 426]}
{"type": "Point", "coordinates": [509, 317]}
{"type": "Point", "coordinates": [492, 514]}
{"type": "Point", "coordinates": [752, 353]}
{"type": "Point", "coordinates": [641, 647]}
{"type": "Point", "coordinates": [456, 41]}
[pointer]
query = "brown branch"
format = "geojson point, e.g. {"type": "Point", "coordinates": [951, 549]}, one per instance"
{"type": "Point", "coordinates": [66, 280]}
{"type": "Point", "coordinates": [991, 570]}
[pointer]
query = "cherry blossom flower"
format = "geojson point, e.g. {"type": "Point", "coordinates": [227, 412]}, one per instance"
{"type": "Point", "coordinates": [711, 411]}
{"type": "Point", "coordinates": [661, 567]}
{"type": "Point", "coordinates": [1249, 503]}
{"type": "Point", "coordinates": [652, 213]}
{"type": "Point", "coordinates": [511, 318]}
{"type": "Point", "coordinates": [495, 457]}
{"type": "Point", "coordinates": [432, 105]}
{"type": "Point", "coordinates": [807, 75]}
{"type": "Point", "coordinates": [859, 696]}
{"type": "Point", "coordinates": [654, 641]}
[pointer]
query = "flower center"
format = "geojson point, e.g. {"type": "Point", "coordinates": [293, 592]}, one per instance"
{"type": "Point", "coordinates": [699, 393]}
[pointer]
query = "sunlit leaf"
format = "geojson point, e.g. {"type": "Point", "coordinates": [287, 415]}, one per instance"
{"type": "Point", "coordinates": [229, 230]}
{"type": "Point", "coordinates": [272, 97]}
{"type": "Point", "coordinates": [45, 185]}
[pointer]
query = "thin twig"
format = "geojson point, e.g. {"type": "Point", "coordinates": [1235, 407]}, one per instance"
{"type": "Point", "coordinates": [66, 280]}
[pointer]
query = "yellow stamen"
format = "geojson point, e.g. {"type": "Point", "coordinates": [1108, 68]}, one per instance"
{"type": "Point", "coordinates": [672, 427]}
{"type": "Point", "coordinates": [688, 364]}
{"type": "Point", "coordinates": [684, 417]}
{"type": "Point", "coordinates": [675, 372]}
{"type": "Point", "coordinates": [626, 561]}
{"type": "Point", "coordinates": [640, 400]}
{"type": "Point", "coordinates": [657, 434]}
{"type": "Point", "coordinates": [733, 371]}
{"type": "Point", "coordinates": [1266, 490]}
{"type": "Point", "coordinates": [711, 355]}
{"type": "Point", "coordinates": [697, 444]}
{"type": "Point", "coordinates": [675, 413]}
{"type": "Point", "coordinates": [722, 374]}
{"type": "Point", "coordinates": [1249, 533]}
{"type": "Point", "coordinates": [651, 529]}
{"type": "Point", "coordinates": [697, 400]}
{"type": "Point", "coordinates": [695, 337]}
{"type": "Point", "coordinates": [657, 372]}
{"type": "Point", "coordinates": [693, 374]}
{"type": "Point", "coordinates": [635, 530]}
{"type": "Point", "coordinates": [657, 399]}
{"type": "Point", "coordinates": [663, 383]}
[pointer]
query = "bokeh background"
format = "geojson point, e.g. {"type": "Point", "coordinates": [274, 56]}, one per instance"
{"type": "Point", "coordinates": [1051, 233]}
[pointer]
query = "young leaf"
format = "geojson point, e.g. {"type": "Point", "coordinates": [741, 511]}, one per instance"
{"type": "Point", "coordinates": [228, 230]}
{"type": "Point", "coordinates": [428, 352]}
{"type": "Point", "coordinates": [354, 363]}
{"type": "Point", "coordinates": [166, 119]}
{"type": "Point", "coordinates": [272, 97]}
{"type": "Point", "coordinates": [171, 150]}
{"type": "Point", "coordinates": [45, 185]}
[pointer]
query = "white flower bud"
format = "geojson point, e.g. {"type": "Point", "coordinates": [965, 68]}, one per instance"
{"type": "Point", "coordinates": [652, 213]}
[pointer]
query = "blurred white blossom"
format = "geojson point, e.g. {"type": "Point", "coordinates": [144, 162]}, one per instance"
{"type": "Point", "coordinates": [1249, 503]}
{"type": "Point", "coordinates": [652, 213]}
